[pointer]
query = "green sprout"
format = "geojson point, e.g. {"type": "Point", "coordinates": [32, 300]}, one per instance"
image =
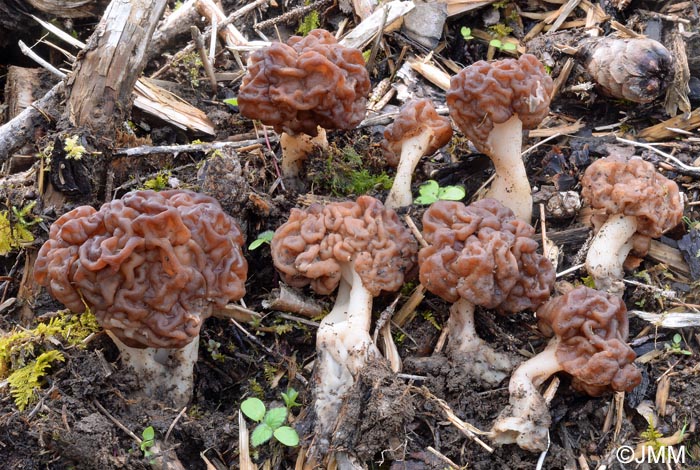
{"type": "Point", "coordinates": [270, 423]}
{"type": "Point", "coordinates": [309, 23]}
{"type": "Point", "coordinates": [159, 182]}
{"type": "Point", "coordinates": [231, 101]}
{"type": "Point", "coordinates": [15, 231]}
{"type": "Point", "coordinates": [430, 191]}
{"type": "Point", "coordinates": [675, 346]}
{"type": "Point", "coordinates": [505, 46]}
{"type": "Point", "coordinates": [148, 440]}
{"type": "Point", "coordinates": [263, 237]}
{"type": "Point", "coordinates": [466, 33]}
{"type": "Point", "coordinates": [73, 149]}
{"type": "Point", "coordinates": [214, 348]}
{"type": "Point", "coordinates": [290, 398]}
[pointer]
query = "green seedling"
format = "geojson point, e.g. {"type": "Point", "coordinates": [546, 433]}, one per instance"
{"type": "Point", "coordinates": [263, 237]}
{"type": "Point", "coordinates": [675, 346]}
{"type": "Point", "coordinates": [231, 101]}
{"type": "Point", "coordinates": [290, 398]}
{"type": "Point", "coordinates": [430, 191]}
{"type": "Point", "coordinates": [466, 33]}
{"type": "Point", "coordinates": [148, 440]}
{"type": "Point", "coordinates": [270, 423]}
{"type": "Point", "coordinates": [504, 46]}
{"type": "Point", "coordinates": [15, 231]}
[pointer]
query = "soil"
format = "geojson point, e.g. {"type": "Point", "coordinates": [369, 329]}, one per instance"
{"type": "Point", "coordinates": [88, 412]}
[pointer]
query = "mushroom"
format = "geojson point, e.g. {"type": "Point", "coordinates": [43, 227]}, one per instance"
{"type": "Point", "coordinates": [481, 255]}
{"type": "Point", "coordinates": [150, 266]}
{"type": "Point", "coordinates": [635, 69]}
{"type": "Point", "coordinates": [590, 329]}
{"type": "Point", "coordinates": [361, 248]}
{"type": "Point", "coordinates": [300, 88]}
{"type": "Point", "coordinates": [491, 103]}
{"type": "Point", "coordinates": [628, 198]}
{"type": "Point", "coordinates": [418, 130]}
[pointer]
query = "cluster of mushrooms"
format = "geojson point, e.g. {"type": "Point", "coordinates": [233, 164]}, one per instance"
{"type": "Point", "coordinates": [152, 265]}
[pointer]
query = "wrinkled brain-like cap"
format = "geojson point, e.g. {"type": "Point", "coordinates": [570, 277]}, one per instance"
{"type": "Point", "coordinates": [308, 82]}
{"type": "Point", "coordinates": [634, 188]}
{"type": "Point", "coordinates": [415, 117]}
{"type": "Point", "coordinates": [488, 93]}
{"type": "Point", "coordinates": [592, 328]}
{"type": "Point", "coordinates": [309, 248]}
{"type": "Point", "coordinates": [483, 254]}
{"type": "Point", "coordinates": [148, 265]}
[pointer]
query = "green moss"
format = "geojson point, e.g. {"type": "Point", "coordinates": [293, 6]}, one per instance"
{"type": "Point", "coordinates": [343, 175]}
{"type": "Point", "coordinates": [309, 23]}
{"type": "Point", "coordinates": [159, 183]}
{"type": "Point", "coordinates": [26, 354]}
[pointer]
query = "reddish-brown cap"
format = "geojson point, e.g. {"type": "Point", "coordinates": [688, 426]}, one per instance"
{"type": "Point", "coordinates": [309, 248]}
{"type": "Point", "coordinates": [592, 328]}
{"type": "Point", "coordinates": [308, 82]}
{"type": "Point", "coordinates": [483, 254]}
{"type": "Point", "coordinates": [415, 117]}
{"type": "Point", "coordinates": [148, 265]}
{"type": "Point", "coordinates": [488, 93]}
{"type": "Point", "coordinates": [633, 188]}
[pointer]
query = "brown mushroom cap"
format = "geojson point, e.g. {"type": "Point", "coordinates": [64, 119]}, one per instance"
{"type": "Point", "coordinates": [488, 93]}
{"type": "Point", "coordinates": [633, 188]}
{"type": "Point", "coordinates": [147, 265]}
{"type": "Point", "coordinates": [308, 82]}
{"type": "Point", "coordinates": [414, 118]}
{"type": "Point", "coordinates": [483, 254]}
{"type": "Point", "coordinates": [309, 248]}
{"type": "Point", "coordinates": [592, 327]}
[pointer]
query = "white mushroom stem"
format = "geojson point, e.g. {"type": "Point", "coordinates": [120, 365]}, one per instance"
{"type": "Point", "coordinates": [166, 375]}
{"type": "Point", "coordinates": [526, 420]}
{"type": "Point", "coordinates": [472, 352]}
{"type": "Point", "coordinates": [343, 344]}
{"type": "Point", "coordinates": [608, 252]}
{"type": "Point", "coordinates": [296, 148]}
{"type": "Point", "coordinates": [510, 185]}
{"type": "Point", "coordinates": [412, 149]}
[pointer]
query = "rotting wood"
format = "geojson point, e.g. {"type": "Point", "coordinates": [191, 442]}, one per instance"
{"type": "Point", "coordinates": [69, 8]}
{"type": "Point", "coordinates": [22, 128]}
{"type": "Point", "coordinates": [20, 86]}
{"type": "Point", "coordinates": [176, 25]}
{"type": "Point", "coordinates": [664, 130]}
{"type": "Point", "coordinates": [106, 71]}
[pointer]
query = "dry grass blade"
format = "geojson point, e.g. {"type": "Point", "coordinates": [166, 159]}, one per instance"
{"type": "Point", "coordinates": [244, 451]}
{"type": "Point", "coordinates": [472, 432]}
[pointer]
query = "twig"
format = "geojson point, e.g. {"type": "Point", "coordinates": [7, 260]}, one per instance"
{"type": "Point", "coordinates": [172, 425]}
{"type": "Point", "coordinates": [291, 15]}
{"type": "Point", "coordinates": [674, 161]}
{"type": "Point", "coordinates": [443, 458]}
{"type": "Point", "coordinates": [199, 45]}
{"type": "Point", "coordinates": [269, 351]}
{"type": "Point", "coordinates": [36, 58]}
{"type": "Point", "coordinates": [464, 427]}
{"type": "Point", "coordinates": [117, 422]}
{"type": "Point", "coordinates": [176, 149]}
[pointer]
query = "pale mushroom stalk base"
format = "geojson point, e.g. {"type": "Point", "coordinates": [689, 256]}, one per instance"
{"type": "Point", "coordinates": [343, 344]}
{"type": "Point", "coordinates": [510, 185]}
{"type": "Point", "coordinates": [526, 420]}
{"type": "Point", "coordinates": [166, 375]}
{"type": "Point", "coordinates": [608, 252]}
{"type": "Point", "coordinates": [412, 150]}
{"type": "Point", "coordinates": [472, 353]}
{"type": "Point", "coordinates": [296, 148]}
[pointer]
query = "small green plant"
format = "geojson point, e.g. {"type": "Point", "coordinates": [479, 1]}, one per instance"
{"type": "Point", "coordinates": [503, 45]}
{"type": "Point", "coordinates": [290, 398]}
{"type": "Point", "coordinates": [430, 191]}
{"type": "Point", "coordinates": [148, 439]}
{"type": "Point", "coordinates": [675, 346]}
{"type": "Point", "coordinates": [231, 101]}
{"type": "Point", "coordinates": [309, 23]}
{"type": "Point", "coordinates": [25, 380]}
{"type": "Point", "coordinates": [263, 237]}
{"type": "Point", "coordinates": [466, 33]}
{"type": "Point", "coordinates": [214, 348]}
{"type": "Point", "coordinates": [73, 149]}
{"type": "Point", "coordinates": [362, 181]}
{"type": "Point", "coordinates": [500, 30]}
{"type": "Point", "coordinates": [430, 318]}
{"type": "Point", "coordinates": [15, 230]}
{"type": "Point", "coordinates": [159, 182]}
{"type": "Point", "coordinates": [271, 423]}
